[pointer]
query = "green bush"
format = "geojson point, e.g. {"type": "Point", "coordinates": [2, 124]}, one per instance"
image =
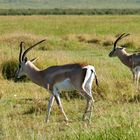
{"type": "Point", "coordinates": [69, 11]}
{"type": "Point", "coordinates": [9, 69]}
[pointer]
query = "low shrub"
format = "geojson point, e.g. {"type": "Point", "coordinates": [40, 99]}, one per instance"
{"type": "Point", "coordinates": [94, 40]}
{"type": "Point", "coordinates": [9, 69]}
{"type": "Point", "coordinates": [108, 43]}
{"type": "Point", "coordinates": [81, 38]}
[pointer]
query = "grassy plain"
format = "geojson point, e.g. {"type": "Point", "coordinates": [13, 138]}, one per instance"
{"type": "Point", "coordinates": [70, 39]}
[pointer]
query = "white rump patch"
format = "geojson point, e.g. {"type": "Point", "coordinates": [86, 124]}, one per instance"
{"type": "Point", "coordinates": [89, 77]}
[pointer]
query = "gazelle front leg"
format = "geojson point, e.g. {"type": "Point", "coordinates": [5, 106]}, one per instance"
{"type": "Point", "coordinates": [134, 76]}
{"type": "Point", "coordinates": [138, 76]}
{"type": "Point", "coordinates": [57, 97]}
{"type": "Point", "coordinates": [49, 108]}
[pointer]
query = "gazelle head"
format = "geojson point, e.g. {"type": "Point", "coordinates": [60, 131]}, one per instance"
{"type": "Point", "coordinates": [117, 49]}
{"type": "Point", "coordinates": [23, 60]}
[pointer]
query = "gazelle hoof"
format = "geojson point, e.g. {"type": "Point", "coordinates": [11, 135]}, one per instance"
{"type": "Point", "coordinates": [46, 120]}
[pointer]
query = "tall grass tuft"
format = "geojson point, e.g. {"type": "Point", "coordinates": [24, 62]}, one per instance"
{"type": "Point", "coordinates": [9, 70]}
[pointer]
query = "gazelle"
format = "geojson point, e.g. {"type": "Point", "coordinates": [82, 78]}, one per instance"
{"type": "Point", "coordinates": [59, 78]}
{"type": "Point", "coordinates": [130, 60]}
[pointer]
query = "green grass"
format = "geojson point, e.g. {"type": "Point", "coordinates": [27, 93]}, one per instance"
{"type": "Point", "coordinates": [23, 105]}
{"type": "Point", "coordinates": [63, 25]}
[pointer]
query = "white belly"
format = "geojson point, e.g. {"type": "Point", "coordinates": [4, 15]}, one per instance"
{"type": "Point", "coordinates": [136, 71]}
{"type": "Point", "coordinates": [64, 86]}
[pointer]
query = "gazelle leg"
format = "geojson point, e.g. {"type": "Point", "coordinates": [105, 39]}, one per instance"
{"type": "Point", "coordinates": [89, 97]}
{"type": "Point", "coordinates": [137, 81]}
{"type": "Point", "coordinates": [138, 76]}
{"type": "Point", "coordinates": [136, 73]}
{"type": "Point", "coordinates": [89, 107]}
{"type": "Point", "coordinates": [67, 96]}
{"type": "Point", "coordinates": [49, 108]}
{"type": "Point", "coordinates": [134, 77]}
{"type": "Point", "coordinates": [57, 97]}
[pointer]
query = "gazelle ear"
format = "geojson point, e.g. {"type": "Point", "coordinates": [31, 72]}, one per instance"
{"type": "Point", "coordinates": [33, 60]}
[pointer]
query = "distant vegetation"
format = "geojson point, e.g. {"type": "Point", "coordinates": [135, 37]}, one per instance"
{"type": "Point", "coordinates": [69, 11]}
{"type": "Point", "coordinates": [69, 7]}
{"type": "Point", "coordinates": [66, 4]}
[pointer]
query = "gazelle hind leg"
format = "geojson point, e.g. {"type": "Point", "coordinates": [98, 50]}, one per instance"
{"type": "Point", "coordinates": [49, 108]}
{"type": "Point", "coordinates": [136, 73]}
{"type": "Point", "coordinates": [89, 107]}
{"type": "Point", "coordinates": [138, 76]}
{"type": "Point", "coordinates": [87, 87]}
{"type": "Point", "coordinates": [89, 98]}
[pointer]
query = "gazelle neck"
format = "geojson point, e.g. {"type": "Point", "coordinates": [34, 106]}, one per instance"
{"type": "Point", "coordinates": [33, 73]}
{"type": "Point", "coordinates": [124, 57]}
